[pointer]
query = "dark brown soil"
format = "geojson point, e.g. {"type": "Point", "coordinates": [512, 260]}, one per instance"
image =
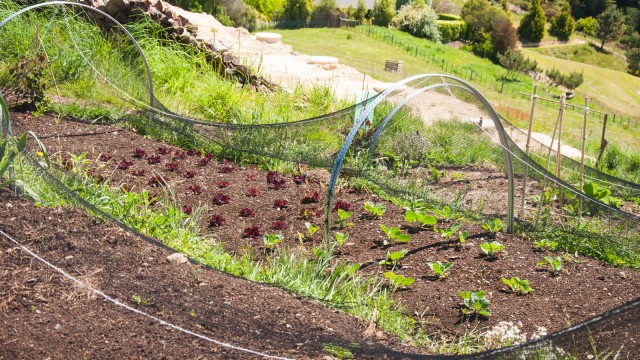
{"type": "Point", "coordinates": [553, 304]}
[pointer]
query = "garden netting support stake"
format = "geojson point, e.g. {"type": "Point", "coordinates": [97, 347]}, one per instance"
{"type": "Point", "coordinates": [534, 96]}
{"type": "Point", "coordinates": [584, 140]}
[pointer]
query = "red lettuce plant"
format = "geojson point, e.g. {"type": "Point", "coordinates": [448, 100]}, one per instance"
{"type": "Point", "coordinates": [209, 156]}
{"type": "Point", "coordinates": [216, 220]}
{"type": "Point", "coordinates": [252, 192]}
{"type": "Point", "coordinates": [190, 174]}
{"type": "Point", "coordinates": [105, 157]}
{"type": "Point", "coordinates": [154, 159]}
{"type": "Point", "coordinates": [187, 209]}
{"type": "Point", "coordinates": [203, 162]}
{"type": "Point", "coordinates": [252, 232]}
{"type": "Point", "coordinates": [275, 181]}
{"type": "Point", "coordinates": [191, 152]}
{"type": "Point", "coordinates": [138, 172]}
{"type": "Point", "coordinates": [153, 197]}
{"type": "Point", "coordinates": [345, 206]}
{"type": "Point", "coordinates": [125, 165]}
{"type": "Point", "coordinates": [310, 197]}
{"type": "Point", "coordinates": [278, 225]}
{"type": "Point", "coordinates": [299, 179]}
{"type": "Point", "coordinates": [196, 189]}
{"type": "Point", "coordinates": [162, 150]}
{"type": "Point", "coordinates": [138, 153]}
{"type": "Point", "coordinates": [179, 154]}
{"type": "Point", "coordinates": [226, 168]}
{"type": "Point", "coordinates": [158, 180]}
{"type": "Point", "coordinates": [172, 167]}
{"type": "Point", "coordinates": [280, 203]}
{"type": "Point", "coordinates": [220, 199]}
{"type": "Point", "coordinates": [247, 212]}
{"type": "Point", "coordinates": [250, 177]}
{"type": "Point", "coordinates": [223, 184]}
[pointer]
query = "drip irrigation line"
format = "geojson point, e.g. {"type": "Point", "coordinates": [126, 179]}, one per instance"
{"type": "Point", "coordinates": [132, 309]}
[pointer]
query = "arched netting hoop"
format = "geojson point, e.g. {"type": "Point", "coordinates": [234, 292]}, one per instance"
{"type": "Point", "coordinates": [74, 61]}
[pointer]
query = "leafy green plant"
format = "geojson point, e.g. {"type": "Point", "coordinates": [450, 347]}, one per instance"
{"type": "Point", "coordinates": [398, 281]}
{"type": "Point", "coordinates": [545, 244]}
{"type": "Point", "coordinates": [394, 234]}
{"type": "Point", "coordinates": [341, 238]}
{"type": "Point", "coordinates": [491, 248]}
{"type": "Point", "coordinates": [475, 303]}
{"type": "Point", "coordinates": [271, 240]}
{"type": "Point", "coordinates": [517, 285]}
{"type": "Point", "coordinates": [447, 233]}
{"type": "Point", "coordinates": [445, 214]}
{"type": "Point", "coordinates": [140, 301]}
{"type": "Point", "coordinates": [8, 154]}
{"type": "Point", "coordinates": [439, 269]}
{"type": "Point", "coordinates": [463, 235]}
{"type": "Point", "coordinates": [493, 226]}
{"type": "Point", "coordinates": [419, 216]}
{"type": "Point", "coordinates": [556, 264]}
{"type": "Point", "coordinates": [343, 216]}
{"type": "Point", "coordinates": [376, 210]}
{"type": "Point", "coordinates": [310, 231]}
{"type": "Point", "coordinates": [393, 259]}
{"type": "Point", "coordinates": [601, 194]}
{"type": "Point", "coordinates": [547, 197]}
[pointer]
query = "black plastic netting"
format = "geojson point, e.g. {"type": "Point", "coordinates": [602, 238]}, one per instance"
{"type": "Point", "coordinates": [69, 59]}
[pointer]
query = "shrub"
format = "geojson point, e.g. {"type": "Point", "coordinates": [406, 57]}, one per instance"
{"type": "Point", "coordinates": [420, 21]}
{"type": "Point", "coordinates": [532, 24]}
{"type": "Point", "coordinates": [383, 12]}
{"type": "Point", "coordinates": [562, 25]}
{"type": "Point", "coordinates": [452, 30]}
{"type": "Point", "coordinates": [503, 36]}
{"type": "Point", "coordinates": [588, 25]}
{"type": "Point", "coordinates": [449, 17]}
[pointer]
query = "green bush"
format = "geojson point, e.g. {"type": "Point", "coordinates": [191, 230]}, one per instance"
{"type": "Point", "coordinates": [417, 20]}
{"type": "Point", "coordinates": [563, 25]}
{"type": "Point", "coordinates": [532, 25]}
{"type": "Point", "coordinates": [383, 12]}
{"type": "Point", "coordinates": [452, 30]}
{"type": "Point", "coordinates": [449, 17]}
{"type": "Point", "coordinates": [587, 25]}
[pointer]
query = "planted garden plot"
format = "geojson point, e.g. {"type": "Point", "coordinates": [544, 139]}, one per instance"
{"type": "Point", "coordinates": [450, 272]}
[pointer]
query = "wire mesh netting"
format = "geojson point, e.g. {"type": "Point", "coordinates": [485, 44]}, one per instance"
{"type": "Point", "coordinates": [72, 60]}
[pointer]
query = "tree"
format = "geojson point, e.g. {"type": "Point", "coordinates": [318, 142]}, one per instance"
{"type": "Point", "coordinates": [563, 25]}
{"type": "Point", "coordinates": [418, 19]}
{"type": "Point", "coordinates": [632, 52]}
{"type": "Point", "coordinates": [361, 10]}
{"type": "Point", "coordinates": [504, 35]}
{"type": "Point", "coordinates": [571, 81]}
{"type": "Point", "coordinates": [297, 11]}
{"type": "Point", "coordinates": [532, 25]}
{"type": "Point", "coordinates": [611, 27]}
{"type": "Point", "coordinates": [323, 15]}
{"type": "Point", "coordinates": [383, 12]}
{"type": "Point", "coordinates": [480, 17]}
{"type": "Point", "coordinates": [514, 62]}
{"type": "Point", "coordinates": [588, 25]}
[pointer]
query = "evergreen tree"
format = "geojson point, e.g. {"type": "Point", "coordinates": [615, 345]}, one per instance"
{"type": "Point", "coordinates": [532, 25]}
{"type": "Point", "coordinates": [611, 27]}
{"type": "Point", "coordinates": [563, 25]}
{"type": "Point", "coordinates": [361, 10]}
{"type": "Point", "coordinates": [297, 11]}
{"type": "Point", "coordinates": [383, 12]}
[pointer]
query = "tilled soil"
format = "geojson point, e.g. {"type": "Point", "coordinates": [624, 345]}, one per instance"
{"type": "Point", "coordinates": [436, 303]}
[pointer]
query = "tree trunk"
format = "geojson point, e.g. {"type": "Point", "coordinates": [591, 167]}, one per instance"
{"type": "Point", "coordinates": [602, 44]}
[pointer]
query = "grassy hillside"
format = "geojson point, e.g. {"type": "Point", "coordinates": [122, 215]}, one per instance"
{"type": "Point", "coordinates": [586, 54]}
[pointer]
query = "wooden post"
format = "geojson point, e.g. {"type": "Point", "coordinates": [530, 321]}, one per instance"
{"type": "Point", "coordinates": [584, 140]}
{"type": "Point", "coordinates": [558, 153]}
{"type": "Point", "coordinates": [526, 165]}
{"type": "Point", "coordinates": [603, 141]}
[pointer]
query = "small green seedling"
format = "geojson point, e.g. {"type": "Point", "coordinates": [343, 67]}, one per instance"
{"type": "Point", "coordinates": [394, 234]}
{"type": "Point", "coordinates": [447, 233]}
{"type": "Point", "coordinates": [140, 301]}
{"type": "Point", "coordinates": [463, 235]}
{"type": "Point", "coordinates": [343, 216]}
{"type": "Point", "coordinates": [341, 238]}
{"type": "Point", "coordinates": [491, 248]}
{"type": "Point", "coordinates": [445, 214]}
{"type": "Point", "coordinates": [518, 286]}
{"type": "Point", "coordinates": [545, 244]}
{"type": "Point", "coordinates": [475, 302]}
{"type": "Point", "coordinates": [398, 281]}
{"type": "Point", "coordinates": [393, 259]}
{"type": "Point", "coordinates": [271, 240]}
{"type": "Point", "coordinates": [556, 264]}
{"type": "Point", "coordinates": [310, 230]}
{"type": "Point", "coordinates": [376, 210]}
{"type": "Point", "coordinates": [422, 218]}
{"type": "Point", "coordinates": [493, 226]}
{"type": "Point", "coordinates": [439, 269]}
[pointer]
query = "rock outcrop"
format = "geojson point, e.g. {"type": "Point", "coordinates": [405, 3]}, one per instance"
{"type": "Point", "coordinates": [179, 29]}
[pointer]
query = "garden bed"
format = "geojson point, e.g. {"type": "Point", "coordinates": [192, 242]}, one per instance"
{"type": "Point", "coordinates": [583, 289]}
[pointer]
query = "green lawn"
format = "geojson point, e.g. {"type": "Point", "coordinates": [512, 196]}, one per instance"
{"type": "Point", "coordinates": [586, 54]}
